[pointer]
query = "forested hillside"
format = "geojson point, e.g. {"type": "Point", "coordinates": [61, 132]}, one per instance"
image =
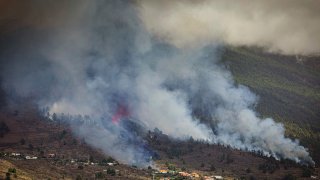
{"type": "Point", "coordinates": [288, 88]}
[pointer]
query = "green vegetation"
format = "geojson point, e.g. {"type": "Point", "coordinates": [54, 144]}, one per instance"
{"type": "Point", "coordinates": [282, 83]}
{"type": "Point", "coordinates": [288, 90]}
{"type": "Point", "coordinates": [12, 170]}
{"type": "Point", "coordinates": [111, 172]}
{"type": "Point", "coordinates": [99, 175]}
{"type": "Point", "coordinates": [170, 167]}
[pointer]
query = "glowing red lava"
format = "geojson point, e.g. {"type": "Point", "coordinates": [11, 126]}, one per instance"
{"type": "Point", "coordinates": [122, 111]}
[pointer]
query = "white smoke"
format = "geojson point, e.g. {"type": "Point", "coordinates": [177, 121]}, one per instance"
{"type": "Point", "coordinates": [287, 26]}
{"type": "Point", "coordinates": [104, 57]}
{"type": "Point", "coordinates": [210, 87]}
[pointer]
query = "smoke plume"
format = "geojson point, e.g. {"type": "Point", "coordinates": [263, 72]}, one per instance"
{"type": "Point", "coordinates": [287, 26]}
{"type": "Point", "coordinates": [108, 62]}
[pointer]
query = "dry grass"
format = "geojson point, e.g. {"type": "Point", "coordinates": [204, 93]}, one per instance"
{"type": "Point", "coordinates": [20, 174]}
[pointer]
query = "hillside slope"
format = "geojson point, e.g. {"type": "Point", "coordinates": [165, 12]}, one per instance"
{"type": "Point", "coordinates": [30, 134]}
{"type": "Point", "coordinates": [288, 88]}
{"type": "Point", "coordinates": [289, 91]}
{"type": "Point", "coordinates": [60, 154]}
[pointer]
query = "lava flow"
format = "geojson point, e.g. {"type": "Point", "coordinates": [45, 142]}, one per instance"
{"type": "Point", "coordinates": [122, 111]}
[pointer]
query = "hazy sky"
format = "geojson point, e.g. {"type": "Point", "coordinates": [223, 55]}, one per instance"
{"type": "Point", "coordinates": [285, 26]}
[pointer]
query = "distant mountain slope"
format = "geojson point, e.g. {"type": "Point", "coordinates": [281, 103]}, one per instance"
{"type": "Point", "coordinates": [288, 88]}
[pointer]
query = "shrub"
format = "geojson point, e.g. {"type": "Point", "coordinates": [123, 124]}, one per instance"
{"type": "Point", "coordinates": [111, 172]}
{"type": "Point", "coordinates": [171, 167]}
{"type": "Point", "coordinates": [110, 160]}
{"type": "Point", "coordinates": [99, 175]}
{"type": "Point", "coordinates": [12, 170]}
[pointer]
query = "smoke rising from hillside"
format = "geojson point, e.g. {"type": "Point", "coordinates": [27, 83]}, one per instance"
{"type": "Point", "coordinates": [98, 58]}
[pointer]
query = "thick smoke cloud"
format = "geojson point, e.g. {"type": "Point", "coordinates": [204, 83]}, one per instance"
{"type": "Point", "coordinates": [102, 61]}
{"type": "Point", "coordinates": [287, 26]}
{"type": "Point", "coordinates": [91, 64]}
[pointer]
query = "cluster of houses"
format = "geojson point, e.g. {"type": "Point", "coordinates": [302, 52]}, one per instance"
{"type": "Point", "coordinates": [20, 156]}
{"type": "Point", "coordinates": [192, 175]}
{"type": "Point", "coordinates": [28, 157]}
{"type": "Point", "coordinates": [212, 177]}
{"type": "Point", "coordinates": [17, 155]}
{"type": "Point", "coordinates": [87, 163]}
{"type": "Point", "coordinates": [162, 172]}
